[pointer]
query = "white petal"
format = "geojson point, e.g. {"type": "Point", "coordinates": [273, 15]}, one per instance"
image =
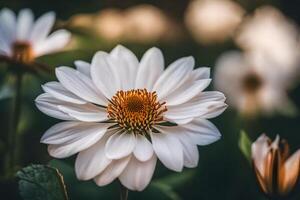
{"type": "Point", "coordinates": [172, 78]}
{"type": "Point", "coordinates": [4, 47]}
{"type": "Point", "coordinates": [169, 150]}
{"type": "Point", "coordinates": [215, 110]}
{"type": "Point", "coordinates": [209, 96]}
{"type": "Point", "coordinates": [127, 66]}
{"type": "Point", "coordinates": [85, 112]}
{"type": "Point", "coordinates": [80, 85]}
{"type": "Point", "coordinates": [120, 145]}
{"type": "Point", "coordinates": [201, 73]}
{"type": "Point", "coordinates": [194, 109]}
{"type": "Point", "coordinates": [24, 24]}
{"type": "Point", "coordinates": [291, 171]}
{"type": "Point", "coordinates": [92, 161]}
{"type": "Point", "coordinates": [187, 92]}
{"type": "Point", "coordinates": [137, 175]}
{"type": "Point", "coordinates": [68, 132]}
{"type": "Point", "coordinates": [68, 138]}
{"type": "Point", "coordinates": [105, 75]}
{"type": "Point", "coordinates": [199, 131]}
{"type": "Point", "coordinates": [48, 105]}
{"type": "Point", "coordinates": [143, 150]}
{"type": "Point", "coordinates": [259, 152]}
{"type": "Point", "coordinates": [7, 26]}
{"type": "Point", "coordinates": [42, 27]}
{"type": "Point", "coordinates": [202, 131]}
{"type": "Point", "coordinates": [112, 172]}
{"type": "Point", "coordinates": [151, 67]}
{"type": "Point", "coordinates": [59, 92]}
{"type": "Point", "coordinates": [53, 43]}
{"type": "Point", "coordinates": [190, 152]}
{"type": "Point", "coordinates": [180, 121]}
{"type": "Point", "coordinates": [83, 67]}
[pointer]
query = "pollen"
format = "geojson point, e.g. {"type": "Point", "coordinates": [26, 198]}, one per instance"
{"type": "Point", "coordinates": [22, 52]}
{"type": "Point", "coordinates": [136, 110]}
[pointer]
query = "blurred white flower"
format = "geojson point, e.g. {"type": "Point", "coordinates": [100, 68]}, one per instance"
{"type": "Point", "coordinates": [250, 85]}
{"type": "Point", "coordinates": [269, 33]}
{"type": "Point", "coordinates": [276, 170]}
{"type": "Point", "coordinates": [122, 114]}
{"type": "Point", "coordinates": [212, 21]}
{"type": "Point", "coordinates": [22, 39]}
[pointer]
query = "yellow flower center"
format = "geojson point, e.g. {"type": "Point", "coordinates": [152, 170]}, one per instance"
{"type": "Point", "coordinates": [136, 110]}
{"type": "Point", "coordinates": [22, 52]}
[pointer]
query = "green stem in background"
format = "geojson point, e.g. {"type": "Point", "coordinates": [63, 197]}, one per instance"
{"type": "Point", "coordinates": [12, 155]}
{"type": "Point", "coordinates": [123, 192]}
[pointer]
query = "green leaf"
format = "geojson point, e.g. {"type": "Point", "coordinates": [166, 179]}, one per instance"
{"type": "Point", "coordinates": [166, 190]}
{"type": "Point", "coordinates": [166, 185]}
{"type": "Point", "coordinates": [245, 145]}
{"type": "Point", "coordinates": [176, 180]}
{"type": "Point", "coordinates": [41, 182]}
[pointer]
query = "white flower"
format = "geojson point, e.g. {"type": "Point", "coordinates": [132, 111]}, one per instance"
{"type": "Point", "coordinates": [250, 84]}
{"type": "Point", "coordinates": [22, 39]}
{"type": "Point", "coordinates": [212, 21]}
{"type": "Point", "coordinates": [122, 114]}
{"type": "Point", "coordinates": [269, 33]}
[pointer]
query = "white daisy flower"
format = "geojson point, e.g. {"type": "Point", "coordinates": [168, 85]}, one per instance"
{"type": "Point", "coordinates": [211, 21]}
{"type": "Point", "coordinates": [22, 39]}
{"type": "Point", "coordinates": [250, 84]}
{"type": "Point", "coordinates": [124, 114]}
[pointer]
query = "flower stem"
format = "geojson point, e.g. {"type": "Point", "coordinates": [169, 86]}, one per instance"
{"type": "Point", "coordinates": [12, 137]}
{"type": "Point", "coordinates": [123, 192]}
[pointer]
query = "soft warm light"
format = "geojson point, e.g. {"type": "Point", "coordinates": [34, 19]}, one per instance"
{"type": "Point", "coordinates": [110, 24]}
{"type": "Point", "coordinates": [146, 23]}
{"type": "Point", "coordinates": [212, 21]}
{"type": "Point", "coordinates": [136, 110]}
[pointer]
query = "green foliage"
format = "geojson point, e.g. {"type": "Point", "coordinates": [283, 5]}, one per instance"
{"type": "Point", "coordinates": [175, 180]}
{"type": "Point", "coordinates": [167, 190]}
{"type": "Point", "coordinates": [40, 182]}
{"type": "Point", "coordinates": [245, 145]}
{"type": "Point", "coordinates": [168, 184]}
{"type": "Point", "coordinates": [160, 189]}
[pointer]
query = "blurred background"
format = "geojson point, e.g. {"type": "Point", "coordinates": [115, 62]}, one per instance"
{"type": "Point", "coordinates": [252, 47]}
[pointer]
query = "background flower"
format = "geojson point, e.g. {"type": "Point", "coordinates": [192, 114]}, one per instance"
{"type": "Point", "coordinates": [22, 39]}
{"type": "Point", "coordinates": [250, 83]}
{"type": "Point", "coordinates": [270, 33]}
